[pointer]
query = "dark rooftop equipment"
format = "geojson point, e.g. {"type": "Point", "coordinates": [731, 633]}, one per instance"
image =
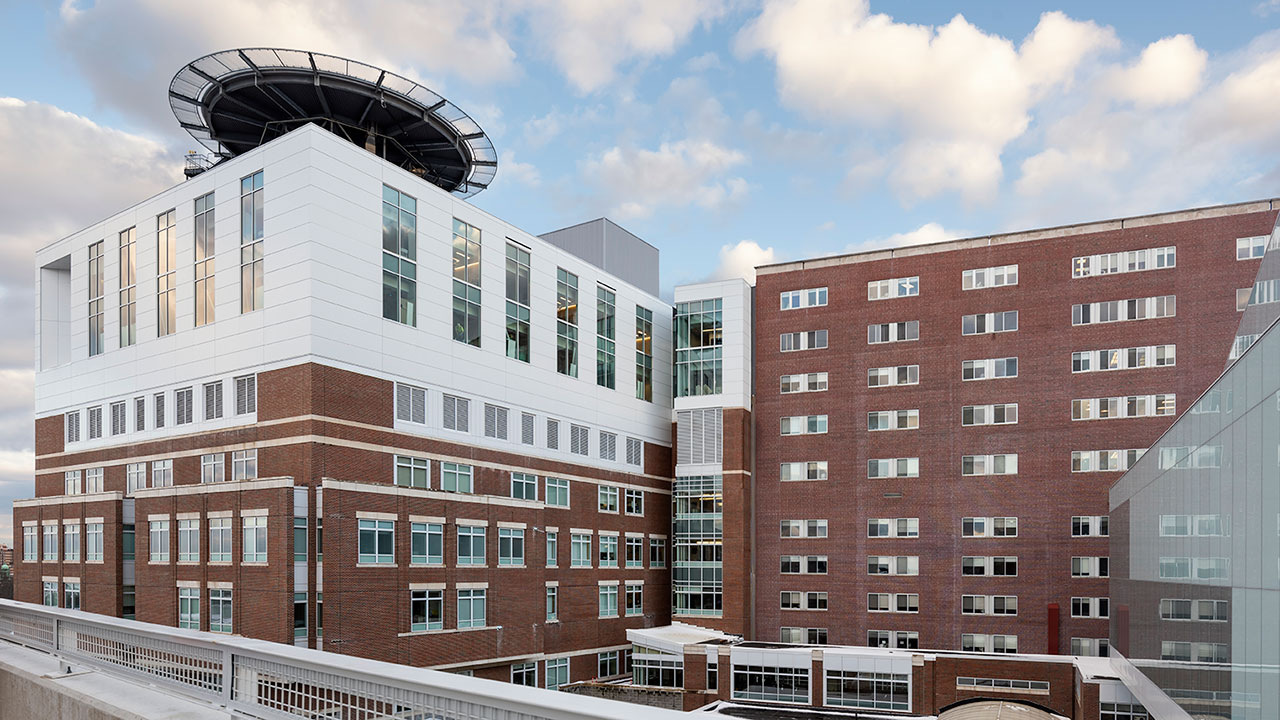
{"type": "Point", "coordinates": [235, 100]}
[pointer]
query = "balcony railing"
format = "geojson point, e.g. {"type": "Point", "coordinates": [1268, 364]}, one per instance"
{"type": "Point", "coordinates": [272, 680]}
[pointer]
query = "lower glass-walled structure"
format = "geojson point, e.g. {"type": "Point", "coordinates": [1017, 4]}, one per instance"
{"type": "Point", "coordinates": [697, 543]}
{"type": "Point", "coordinates": [1195, 545]}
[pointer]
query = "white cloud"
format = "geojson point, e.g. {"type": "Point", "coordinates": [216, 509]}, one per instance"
{"type": "Point", "coordinates": [524, 173]}
{"type": "Point", "coordinates": [539, 131]}
{"type": "Point", "coordinates": [1169, 71]}
{"type": "Point", "coordinates": [741, 261]}
{"type": "Point", "coordinates": [930, 232]}
{"type": "Point", "coordinates": [827, 226]}
{"type": "Point", "coordinates": [690, 172]}
{"type": "Point", "coordinates": [706, 61]}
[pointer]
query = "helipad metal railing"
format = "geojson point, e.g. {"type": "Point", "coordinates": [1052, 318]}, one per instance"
{"type": "Point", "coordinates": [272, 680]}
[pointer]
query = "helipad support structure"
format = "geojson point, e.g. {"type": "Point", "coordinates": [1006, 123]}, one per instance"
{"type": "Point", "coordinates": [235, 100]}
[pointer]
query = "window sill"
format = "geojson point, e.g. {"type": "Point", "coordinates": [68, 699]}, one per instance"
{"type": "Point", "coordinates": [157, 562]}
{"type": "Point", "coordinates": [511, 567]}
{"type": "Point", "coordinates": [460, 566]}
{"type": "Point", "coordinates": [445, 631]}
{"type": "Point", "coordinates": [246, 563]}
{"type": "Point", "coordinates": [376, 565]}
{"type": "Point", "coordinates": [93, 562]}
{"type": "Point", "coordinates": [188, 563]}
{"type": "Point", "coordinates": [417, 565]}
{"type": "Point", "coordinates": [219, 563]}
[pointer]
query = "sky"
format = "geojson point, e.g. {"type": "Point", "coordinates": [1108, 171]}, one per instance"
{"type": "Point", "coordinates": [728, 133]}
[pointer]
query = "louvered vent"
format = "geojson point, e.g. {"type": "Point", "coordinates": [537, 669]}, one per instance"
{"type": "Point", "coordinates": [699, 436]}
{"type": "Point", "coordinates": [526, 428]}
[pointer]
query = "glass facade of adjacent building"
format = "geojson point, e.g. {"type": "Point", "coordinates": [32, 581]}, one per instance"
{"type": "Point", "coordinates": [697, 516]}
{"type": "Point", "coordinates": [699, 341]}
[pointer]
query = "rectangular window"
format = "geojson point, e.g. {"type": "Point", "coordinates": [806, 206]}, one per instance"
{"type": "Point", "coordinates": [989, 604]}
{"type": "Point", "coordinates": [184, 406]}
{"type": "Point", "coordinates": [246, 394]}
{"type": "Point", "coordinates": [893, 420]}
{"type": "Point", "coordinates": [244, 465]}
{"type": "Point", "coordinates": [457, 413]}
{"type": "Point", "coordinates": [411, 404]}
{"type": "Point", "coordinates": [795, 299]}
{"type": "Point", "coordinates": [1143, 356]}
{"type": "Point", "coordinates": [1251, 248]}
{"type": "Point", "coordinates": [220, 610]}
{"type": "Point", "coordinates": [773, 684]}
{"type": "Point", "coordinates": [158, 410]}
{"type": "Point", "coordinates": [71, 482]}
{"type": "Point", "coordinates": [566, 323]}
{"type": "Point", "coordinates": [212, 400]}
{"type": "Point", "coordinates": [511, 546]}
{"type": "Point", "coordinates": [30, 543]}
{"type": "Point", "coordinates": [889, 376]}
{"type": "Point", "coordinates": [634, 504]}
{"type": "Point", "coordinates": [893, 332]}
{"type": "Point", "coordinates": [699, 341]}
{"type": "Point", "coordinates": [803, 528]}
{"type": "Point", "coordinates": [812, 470]}
{"type": "Point", "coordinates": [1124, 262]}
{"type": "Point", "coordinates": [989, 369]}
{"type": "Point", "coordinates": [887, 527]}
{"type": "Point", "coordinates": [399, 256]}
{"type": "Point", "coordinates": [803, 565]}
{"type": "Point", "coordinates": [1001, 414]}
{"type": "Point", "coordinates": [413, 472]}
{"type": "Point", "coordinates": [455, 477]}
{"type": "Point", "coordinates": [979, 527]}
{"type": "Point", "coordinates": [608, 601]}
{"type": "Point", "coordinates": [1124, 310]}
{"type": "Point", "coordinates": [579, 440]}
{"type": "Point", "coordinates": [1087, 607]}
{"type": "Point", "coordinates": [159, 541]}
{"type": "Point", "coordinates": [50, 543]}
{"type": "Point", "coordinates": [1100, 567]}
{"type": "Point", "coordinates": [471, 549]}
{"type": "Point", "coordinates": [426, 543]}
{"type": "Point", "coordinates": [471, 608]}
{"type": "Point", "coordinates": [251, 242]}
{"type": "Point", "coordinates": [377, 541]}
{"type": "Point", "coordinates": [300, 616]}
{"type": "Point", "coordinates": [893, 602]}
{"type": "Point", "coordinates": [797, 341]}
{"type": "Point", "coordinates": [166, 273]}
{"type": "Point", "coordinates": [466, 283]}
{"type": "Point", "coordinates": [989, 643]}
{"type": "Point", "coordinates": [804, 425]}
{"type": "Point", "coordinates": [497, 423]}
{"type": "Point", "coordinates": [893, 468]}
{"type": "Point", "coordinates": [657, 553]}
{"type": "Point", "coordinates": [635, 452]}
{"type": "Point", "coordinates": [118, 418]}
{"type": "Point", "coordinates": [979, 465]}
{"type": "Point", "coordinates": [893, 565]}
{"type": "Point", "coordinates": [608, 551]}
{"type": "Point", "coordinates": [606, 319]}
{"type": "Point", "coordinates": [553, 548]}
{"type": "Point", "coordinates": [93, 480]}
{"type": "Point", "coordinates": [128, 242]}
{"type": "Point", "coordinates": [1090, 526]}
{"type": "Point", "coordinates": [202, 219]}
{"type": "Point", "coordinates": [893, 288]}
{"type": "Point", "coordinates": [553, 603]}
{"type": "Point", "coordinates": [1130, 406]}
{"type": "Point", "coordinates": [557, 673]}
{"type": "Point", "coordinates": [50, 594]}
{"type": "Point", "coordinates": [92, 542]}
{"type": "Point", "coordinates": [517, 302]}
{"type": "Point", "coordinates": [607, 664]}
{"type": "Point", "coordinates": [139, 414]}
{"type": "Point", "coordinates": [608, 498]}
{"type": "Point", "coordinates": [189, 608]}
{"type": "Point", "coordinates": [526, 428]}
{"type": "Point", "coordinates": [128, 542]}
{"type": "Point", "coordinates": [987, 323]}
{"type": "Point", "coordinates": [71, 542]}
{"type": "Point", "coordinates": [557, 492]}
{"type": "Point", "coordinates": [524, 486]}
{"type": "Point", "coordinates": [580, 545]}
{"type": "Point", "coordinates": [189, 541]}
{"type": "Point", "coordinates": [644, 354]}
{"type": "Point", "coordinates": [807, 382]}
{"type": "Point", "coordinates": [300, 539]}
{"type": "Point", "coordinates": [73, 426]}
{"type": "Point", "coordinates": [71, 596]}
{"type": "Point", "coordinates": [220, 540]}
{"type": "Point", "coordinates": [254, 539]}
{"type": "Point", "coordinates": [990, 277]}
{"type": "Point", "coordinates": [635, 599]}
{"type": "Point", "coordinates": [635, 552]}
{"type": "Point", "coordinates": [1105, 460]}
{"type": "Point", "coordinates": [95, 423]}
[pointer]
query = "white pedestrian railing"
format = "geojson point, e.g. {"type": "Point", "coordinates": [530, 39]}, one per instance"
{"type": "Point", "coordinates": [272, 680]}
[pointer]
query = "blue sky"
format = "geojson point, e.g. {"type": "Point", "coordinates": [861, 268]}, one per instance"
{"type": "Point", "coordinates": [725, 133]}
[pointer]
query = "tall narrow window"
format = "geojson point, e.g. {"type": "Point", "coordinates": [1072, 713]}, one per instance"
{"type": "Point", "coordinates": [166, 273]}
{"type": "Point", "coordinates": [517, 302]}
{"type": "Point", "coordinates": [204, 259]}
{"type": "Point", "coordinates": [566, 323]}
{"type": "Point", "coordinates": [97, 329]}
{"type": "Point", "coordinates": [251, 243]}
{"type": "Point", "coordinates": [128, 287]}
{"type": "Point", "coordinates": [644, 353]}
{"type": "Point", "coordinates": [606, 318]}
{"type": "Point", "coordinates": [399, 256]}
{"type": "Point", "coordinates": [699, 341]}
{"type": "Point", "coordinates": [466, 283]}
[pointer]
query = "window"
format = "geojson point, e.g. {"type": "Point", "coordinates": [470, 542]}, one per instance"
{"type": "Point", "coordinates": [644, 354]}
{"type": "Point", "coordinates": [466, 283]}
{"type": "Point", "coordinates": [525, 674]}
{"type": "Point", "coordinates": [220, 610]}
{"type": "Point", "coordinates": [471, 545]}
{"type": "Point", "coordinates": [496, 422]}
{"type": "Point", "coordinates": [581, 550]}
{"type": "Point", "coordinates": [989, 643]}
{"type": "Point", "coordinates": [803, 565]}
{"type": "Point", "coordinates": [524, 486]}
{"type": "Point", "coordinates": [426, 543]}
{"type": "Point", "coordinates": [979, 527]}
{"type": "Point", "coordinates": [1124, 262]}
{"type": "Point", "coordinates": [517, 302]}
{"type": "Point", "coordinates": [866, 689]}
{"type": "Point", "coordinates": [1099, 567]}
{"type": "Point", "coordinates": [128, 541]}
{"type": "Point", "coordinates": [795, 299]}
{"type": "Point", "coordinates": [399, 256]}
{"type": "Point", "coordinates": [219, 539]}
{"type": "Point", "coordinates": [412, 472]}
{"type": "Point", "coordinates": [1091, 647]}
{"type": "Point", "coordinates": [1251, 248]}
{"type": "Point", "coordinates": [184, 406]}
{"type": "Point", "coordinates": [893, 468]}
{"type": "Point", "coordinates": [893, 332]}
{"type": "Point", "coordinates": [244, 465]}
{"type": "Point", "coordinates": [608, 498]}
{"type": "Point", "coordinates": [557, 492]}
{"type": "Point", "coordinates": [1105, 460]}
{"type": "Point", "coordinates": [93, 480]}
{"type": "Point", "coordinates": [73, 426]}
{"type": "Point", "coordinates": [1003, 414]}
{"type": "Point", "coordinates": [607, 664]}
{"type": "Point", "coordinates": [1109, 408]}
{"type": "Point", "coordinates": [713, 677]}
{"type": "Point", "coordinates": [1143, 356]}
{"type": "Point", "coordinates": [71, 596]}
{"type": "Point", "coordinates": [300, 616]}
{"type": "Point", "coordinates": [251, 242]}
{"type": "Point", "coordinates": [118, 418]}
{"type": "Point", "coordinates": [699, 344]}
{"type": "Point", "coordinates": [129, 284]}
{"type": "Point", "coordinates": [92, 542]}
{"type": "Point", "coordinates": [457, 413]}
{"type": "Point", "coordinates": [634, 502]}
{"type": "Point", "coordinates": [95, 423]}
{"type": "Point", "coordinates": [804, 425]}
{"type": "Point", "coordinates": [697, 545]}
{"type": "Point", "coordinates": [211, 468]}
{"type": "Point", "coordinates": [139, 414]}
{"type": "Point", "coordinates": [553, 548]}
{"type": "Point", "coordinates": [699, 436]}
{"type": "Point", "coordinates": [212, 400]}
{"type": "Point", "coordinates": [891, 527]}
{"type": "Point", "coordinates": [986, 323]}
{"type": "Point", "coordinates": [71, 482]}
{"type": "Point", "coordinates": [135, 476]}
{"type": "Point", "coordinates": [989, 369]}
{"type": "Point", "coordinates": [657, 552]}
{"type": "Point", "coordinates": [813, 470]}
{"type": "Point", "coordinates": [50, 542]}
{"type": "Point", "coordinates": [204, 254]}
{"type": "Point", "coordinates": [377, 541]}
{"type": "Point", "coordinates": [511, 546]}
{"type": "Point", "coordinates": [635, 599]}
{"type": "Point", "coordinates": [189, 608]}
{"type": "Point", "coordinates": [50, 594]}
{"type": "Point", "coordinates": [471, 608]}
{"type": "Point", "coordinates": [300, 539]}
{"type": "Point", "coordinates": [557, 673]}
{"type": "Point", "coordinates": [553, 603]}
{"type": "Point", "coordinates": [1087, 607]}
{"type": "Point", "coordinates": [808, 382]}
{"type": "Point", "coordinates": [635, 452]}
{"type": "Point", "coordinates": [71, 542]}
{"type": "Point", "coordinates": [455, 477]}
{"type": "Point", "coordinates": [566, 323]}
{"type": "Point", "coordinates": [30, 543]}
{"type": "Point", "coordinates": [1124, 310]}
{"type": "Point", "coordinates": [526, 428]}
{"type": "Point", "coordinates": [158, 409]}
{"type": "Point", "coordinates": [1090, 526]}
{"type": "Point", "coordinates": [893, 420]}
{"type": "Point", "coordinates": [978, 465]}
{"type": "Point", "coordinates": [159, 541]}
{"type": "Point", "coordinates": [606, 320]}
{"type": "Point", "coordinates": [889, 376]}
{"type": "Point", "coordinates": [989, 604]}
{"type": "Point", "coordinates": [894, 288]}
{"type": "Point", "coordinates": [254, 539]}
{"type": "Point", "coordinates": [796, 341]}
{"type": "Point", "coordinates": [608, 551]}
{"type": "Point", "coordinates": [189, 541]}
{"type": "Point", "coordinates": [608, 601]}
{"type": "Point", "coordinates": [991, 277]}
{"type": "Point", "coordinates": [411, 404]}
{"type": "Point", "coordinates": [893, 565]}
{"type": "Point", "coordinates": [776, 684]}
{"type": "Point", "coordinates": [166, 273]}
{"type": "Point", "coordinates": [893, 602]}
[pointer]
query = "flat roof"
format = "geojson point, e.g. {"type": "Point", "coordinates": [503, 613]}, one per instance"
{"type": "Point", "coordinates": [1136, 221]}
